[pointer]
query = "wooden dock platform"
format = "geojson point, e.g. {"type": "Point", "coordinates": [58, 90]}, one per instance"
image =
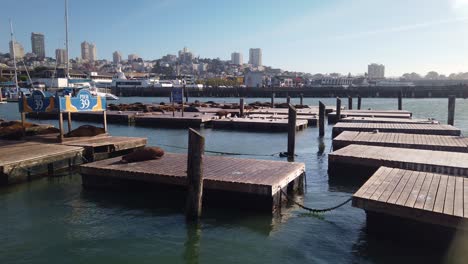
{"type": "Point", "coordinates": [362, 159]}
{"type": "Point", "coordinates": [190, 119]}
{"type": "Point", "coordinates": [311, 110]}
{"type": "Point", "coordinates": [432, 198]}
{"type": "Point", "coordinates": [387, 120]}
{"type": "Point", "coordinates": [17, 157]}
{"type": "Point", "coordinates": [257, 124]}
{"type": "Point", "coordinates": [103, 147]}
{"type": "Point", "coordinates": [260, 180]}
{"type": "Point", "coordinates": [116, 117]}
{"type": "Point", "coordinates": [312, 120]}
{"type": "Point", "coordinates": [400, 140]}
{"type": "Point", "coordinates": [400, 114]}
{"type": "Point", "coordinates": [428, 129]}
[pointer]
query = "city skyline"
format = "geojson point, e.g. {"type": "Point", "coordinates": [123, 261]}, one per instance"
{"type": "Point", "coordinates": [320, 37]}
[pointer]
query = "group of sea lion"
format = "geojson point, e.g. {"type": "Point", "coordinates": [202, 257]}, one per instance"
{"type": "Point", "coordinates": [14, 130]}
{"type": "Point", "coordinates": [85, 131]}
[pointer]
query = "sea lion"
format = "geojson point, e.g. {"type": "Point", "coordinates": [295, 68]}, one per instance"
{"type": "Point", "coordinates": [146, 153]}
{"type": "Point", "coordinates": [222, 113]}
{"type": "Point", "coordinates": [85, 131]}
{"type": "Point", "coordinates": [191, 109]}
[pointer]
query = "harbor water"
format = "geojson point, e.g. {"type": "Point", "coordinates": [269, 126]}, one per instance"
{"type": "Point", "coordinates": [53, 220]}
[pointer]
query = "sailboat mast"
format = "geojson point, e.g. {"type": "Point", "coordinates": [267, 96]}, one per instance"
{"type": "Point", "coordinates": [66, 39]}
{"type": "Point", "coordinates": [13, 45]}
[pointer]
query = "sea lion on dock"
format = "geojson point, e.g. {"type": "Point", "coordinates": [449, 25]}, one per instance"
{"type": "Point", "coordinates": [191, 109]}
{"type": "Point", "coordinates": [146, 153]}
{"type": "Point", "coordinates": [85, 131]}
{"type": "Point", "coordinates": [222, 113]}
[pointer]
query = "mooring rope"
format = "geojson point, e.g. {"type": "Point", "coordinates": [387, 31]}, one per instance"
{"type": "Point", "coordinates": [314, 210]}
{"type": "Point", "coordinates": [225, 153]}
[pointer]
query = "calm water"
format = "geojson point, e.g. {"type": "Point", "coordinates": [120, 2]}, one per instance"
{"type": "Point", "coordinates": [56, 221]}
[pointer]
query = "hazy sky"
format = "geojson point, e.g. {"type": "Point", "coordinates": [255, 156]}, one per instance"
{"type": "Point", "coordinates": [309, 35]}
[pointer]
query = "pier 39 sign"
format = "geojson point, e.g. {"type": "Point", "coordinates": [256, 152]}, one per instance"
{"type": "Point", "coordinates": [84, 101]}
{"type": "Point", "coordinates": [37, 102]}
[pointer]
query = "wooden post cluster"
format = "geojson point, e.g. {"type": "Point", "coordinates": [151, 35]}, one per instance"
{"type": "Point", "coordinates": [272, 100]}
{"type": "Point", "coordinates": [400, 101]}
{"type": "Point", "coordinates": [321, 119]}
{"type": "Point", "coordinates": [196, 150]}
{"type": "Point", "coordinates": [338, 109]}
{"type": "Point", "coordinates": [451, 110]}
{"type": "Point", "coordinates": [241, 107]}
{"type": "Point", "coordinates": [359, 99]}
{"type": "Point", "coordinates": [350, 103]}
{"type": "Point", "coordinates": [292, 115]}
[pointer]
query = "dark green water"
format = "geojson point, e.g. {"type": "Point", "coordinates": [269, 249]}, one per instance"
{"type": "Point", "coordinates": [56, 221]}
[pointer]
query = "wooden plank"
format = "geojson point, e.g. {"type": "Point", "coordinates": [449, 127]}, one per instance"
{"type": "Point", "coordinates": [423, 193]}
{"type": "Point", "coordinates": [458, 201]}
{"type": "Point", "coordinates": [396, 178]}
{"type": "Point", "coordinates": [399, 188]}
{"type": "Point", "coordinates": [362, 191]}
{"type": "Point", "coordinates": [416, 189]}
{"type": "Point", "coordinates": [449, 196]}
{"type": "Point", "coordinates": [431, 196]}
{"type": "Point", "coordinates": [440, 197]}
{"type": "Point", "coordinates": [465, 198]}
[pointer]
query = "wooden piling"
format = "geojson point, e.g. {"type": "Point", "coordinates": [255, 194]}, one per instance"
{"type": "Point", "coordinates": [350, 103]}
{"type": "Point", "coordinates": [104, 120]}
{"type": "Point", "coordinates": [321, 119]}
{"type": "Point", "coordinates": [359, 102]}
{"type": "Point", "coordinates": [272, 100]}
{"type": "Point", "coordinates": [288, 99]}
{"type": "Point", "coordinates": [302, 99]}
{"type": "Point", "coordinates": [400, 101]}
{"type": "Point", "coordinates": [61, 126]}
{"type": "Point", "coordinates": [69, 121]}
{"type": "Point", "coordinates": [451, 110]}
{"type": "Point", "coordinates": [196, 151]}
{"type": "Point", "coordinates": [23, 119]}
{"type": "Point", "coordinates": [241, 106]}
{"type": "Point", "coordinates": [292, 115]}
{"type": "Point", "coordinates": [338, 109]}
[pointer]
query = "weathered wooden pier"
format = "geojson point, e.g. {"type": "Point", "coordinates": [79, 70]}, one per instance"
{"type": "Point", "coordinates": [400, 114]}
{"type": "Point", "coordinates": [429, 129]}
{"type": "Point", "coordinates": [257, 124]}
{"type": "Point", "coordinates": [388, 120]}
{"type": "Point", "coordinates": [246, 182]}
{"type": "Point", "coordinates": [186, 120]}
{"type": "Point", "coordinates": [312, 120]}
{"type": "Point", "coordinates": [400, 140]}
{"type": "Point", "coordinates": [427, 197]}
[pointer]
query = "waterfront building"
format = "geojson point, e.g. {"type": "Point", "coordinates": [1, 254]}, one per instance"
{"type": "Point", "coordinates": [254, 79]}
{"type": "Point", "coordinates": [92, 52]}
{"type": "Point", "coordinates": [61, 56]}
{"type": "Point", "coordinates": [18, 50]}
{"type": "Point", "coordinates": [116, 57]}
{"type": "Point", "coordinates": [236, 58]}
{"type": "Point", "coordinates": [38, 44]}
{"type": "Point", "coordinates": [375, 71]}
{"type": "Point", "coordinates": [255, 57]}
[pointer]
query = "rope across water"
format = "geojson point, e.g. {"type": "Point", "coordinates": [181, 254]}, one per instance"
{"type": "Point", "coordinates": [314, 210]}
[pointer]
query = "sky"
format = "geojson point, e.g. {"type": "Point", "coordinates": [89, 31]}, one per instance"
{"type": "Point", "coordinates": [312, 36]}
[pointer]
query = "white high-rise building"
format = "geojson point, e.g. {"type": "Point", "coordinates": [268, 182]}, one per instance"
{"type": "Point", "coordinates": [116, 57]}
{"type": "Point", "coordinates": [132, 57]}
{"type": "Point", "coordinates": [37, 44]}
{"type": "Point", "coordinates": [88, 51]}
{"type": "Point", "coordinates": [19, 50]}
{"type": "Point", "coordinates": [375, 71]}
{"type": "Point", "coordinates": [236, 58]}
{"type": "Point", "coordinates": [61, 56]}
{"type": "Point", "coordinates": [92, 52]}
{"type": "Point", "coordinates": [255, 57]}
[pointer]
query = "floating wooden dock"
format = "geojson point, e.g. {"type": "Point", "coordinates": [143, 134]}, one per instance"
{"type": "Point", "coordinates": [362, 159]}
{"type": "Point", "coordinates": [190, 119]}
{"type": "Point", "coordinates": [400, 140]}
{"type": "Point", "coordinates": [311, 110]}
{"type": "Point", "coordinates": [429, 129]}
{"type": "Point", "coordinates": [18, 157]}
{"type": "Point", "coordinates": [400, 114]}
{"type": "Point", "coordinates": [432, 198]}
{"type": "Point", "coordinates": [257, 124]}
{"type": "Point", "coordinates": [387, 120]}
{"type": "Point", "coordinates": [116, 117]}
{"type": "Point", "coordinates": [312, 120]}
{"type": "Point", "coordinates": [103, 147]}
{"type": "Point", "coordinates": [260, 180]}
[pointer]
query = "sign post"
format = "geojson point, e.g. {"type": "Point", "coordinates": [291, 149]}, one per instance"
{"type": "Point", "coordinates": [177, 97]}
